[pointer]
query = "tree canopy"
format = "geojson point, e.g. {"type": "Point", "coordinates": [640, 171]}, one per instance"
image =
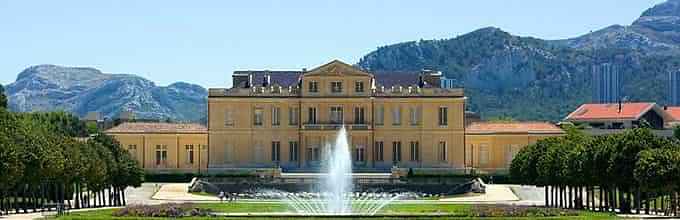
{"type": "Point", "coordinates": [633, 160]}
{"type": "Point", "coordinates": [39, 148]}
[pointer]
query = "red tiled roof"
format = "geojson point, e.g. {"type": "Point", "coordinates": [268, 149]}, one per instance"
{"type": "Point", "coordinates": [629, 111]}
{"type": "Point", "coordinates": [512, 127]}
{"type": "Point", "coordinates": [132, 127]}
{"type": "Point", "coordinates": [674, 112]}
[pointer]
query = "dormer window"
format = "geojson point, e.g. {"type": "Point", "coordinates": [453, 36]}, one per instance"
{"type": "Point", "coordinates": [359, 86]}
{"type": "Point", "coordinates": [336, 87]}
{"type": "Point", "coordinates": [313, 86]}
{"type": "Point", "coordinates": [396, 89]}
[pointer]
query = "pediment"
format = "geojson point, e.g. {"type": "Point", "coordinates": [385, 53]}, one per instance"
{"type": "Point", "coordinates": [337, 68]}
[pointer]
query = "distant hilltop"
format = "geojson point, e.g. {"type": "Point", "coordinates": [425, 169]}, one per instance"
{"type": "Point", "coordinates": [82, 90]}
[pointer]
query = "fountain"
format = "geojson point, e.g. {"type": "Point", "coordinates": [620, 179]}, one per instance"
{"type": "Point", "coordinates": [337, 196]}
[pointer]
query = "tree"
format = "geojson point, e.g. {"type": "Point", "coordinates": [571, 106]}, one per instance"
{"type": "Point", "coordinates": [11, 166]}
{"type": "Point", "coordinates": [3, 97]}
{"type": "Point", "coordinates": [676, 132]}
{"type": "Point", "coordinates": [657, 168]}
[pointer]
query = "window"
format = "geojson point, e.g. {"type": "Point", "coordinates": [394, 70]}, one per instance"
{"type": "Point", "coordinates": [359, 115]}
{"type": "Point", "coordinates": [510, 152]}
{"type": "Point", "coordinates": [228, 118]}
{"type": "Point", "coordinates": [293, 116]}
{"type": "Point", "coordinates": [190, 153]}
{"type": "Point", "coordinates": [396, 151]}
{"type": "Point", "coordinates": [415, 151]}
{"type": "Point", "coordinates": [443, 116]}
{"type": "Point", "coordinates": [227, 152]}
{"type": "Point", "coordinates": [441, 149]}
{"type": "Point", "coordinates": [359, 153]}
{"type": "Point", "coordinates": [132, 149]}
{"type": "Point", "coordinates": [378, 151]}
{"type": "Point", "coordinates": [293, 150]}
{"type": "Point", "coordinates": [313, 153]}
{"type": "Point", "coordinates": [313, 86]}
{"type": "Point", "coordinates": [359, 86]}
{"type": "Point", "coordinates": [276, 151]}
{"type": "Point", "coordinates": [380, 115]}
{"type": "Point", "coordinates": [468, 155]}
{"type": "Point", "coordinates": [483, 154]}
{"type": "Point", "coordinates": [336, 87]}
{"type": "Point", "coordinates": [311, 116]}
{"type": "Point", "coordinates": [336, 115]}
{"type": "Point", "coordinates": [396, 116]}
{"type": "Point", "coordinates": [276, 116]}
{"type": "Point", "coordinates": [161, 154]}
{"type": "Point", "coordinates": [258, 117]}
{"type": "Point", "coordinates": [414, 115]}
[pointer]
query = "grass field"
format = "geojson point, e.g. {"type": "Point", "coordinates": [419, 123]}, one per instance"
{"type": "Point", "coordinates": [452, 211]}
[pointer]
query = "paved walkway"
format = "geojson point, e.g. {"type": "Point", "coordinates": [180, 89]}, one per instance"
{"type": "Point", "coordinates": [177, 192]}
{"type": "Point", "coordinates": [494, 194]}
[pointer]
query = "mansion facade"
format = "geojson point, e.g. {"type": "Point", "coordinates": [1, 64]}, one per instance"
{"type": "Point", "coordinates": [286, 121]}
{"type": "Point", "coordinates": [286, 118]}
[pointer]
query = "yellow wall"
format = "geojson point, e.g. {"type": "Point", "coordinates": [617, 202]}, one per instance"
{"type": "Point", "coordinates": [494, 152]}
{"type": "Point", "coordinates": [241, 144]}
{"type": "Point", "coordinates": [142, 146]}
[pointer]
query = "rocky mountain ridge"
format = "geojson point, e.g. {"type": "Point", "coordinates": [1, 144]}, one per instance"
{"type": "Point", "coordinates": [533, 79]}
{"type": "Point", "coordinates": [82, 90]}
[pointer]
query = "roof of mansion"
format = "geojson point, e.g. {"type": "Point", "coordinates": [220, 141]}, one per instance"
{"type": "Point", "coordinates": [287, 83]}
{"type": "Point", "coordinates": [286, 78]}
{"type": "Point", "coordinates": [613, 111]}
{"type": "Point", "coordinates": [139, 127]}
{"type": "Point", "coordinates": [513, 128]}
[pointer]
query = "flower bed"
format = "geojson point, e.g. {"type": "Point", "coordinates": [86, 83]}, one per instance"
{"type": "Point", "coordinates": [519, 211]}
{"type": "Point", "coordinates": [164, 210]}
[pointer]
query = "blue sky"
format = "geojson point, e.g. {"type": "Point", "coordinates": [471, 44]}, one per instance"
{"type": "Point", "coordinates": [202, 42]}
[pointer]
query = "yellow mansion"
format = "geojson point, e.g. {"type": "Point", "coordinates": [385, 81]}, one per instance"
{"type": "Point", "coordinates": [272, 119]}
{"type": "Point", "coordinates": [285, 119]}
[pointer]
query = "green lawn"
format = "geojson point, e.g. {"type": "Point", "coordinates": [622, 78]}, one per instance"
{"type": "Point", "coordinates": [453, 211]}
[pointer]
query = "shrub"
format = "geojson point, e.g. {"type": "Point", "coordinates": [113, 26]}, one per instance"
{"type": "Point", "coordinates": [519, 211]}
{"type": "Point", "coordinates": [163, 210]}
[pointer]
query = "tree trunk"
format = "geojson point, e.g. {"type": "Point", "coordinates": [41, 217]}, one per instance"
{"type": "Point", "coordinates": [647, 203]}
{"type": "Point", "coordinates": [637, 200]}
{"type": "Point", "coordinates": [571, 197]}
{"type": "Point", "coordinates": [601, 199]}
{"type": "Point", "coordinates": [125, 202]}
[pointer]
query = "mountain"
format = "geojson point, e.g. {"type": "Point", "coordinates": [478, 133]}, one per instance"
{"type": "Point", "coordinates": [82, 90]}
{"type": "Point", "coordinates": [533, 79]}
{"type": "Point", "coordinates": [656, 31]}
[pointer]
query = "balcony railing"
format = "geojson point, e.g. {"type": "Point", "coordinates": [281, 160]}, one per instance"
{"type": "Point", "coordinates": [336, 126]}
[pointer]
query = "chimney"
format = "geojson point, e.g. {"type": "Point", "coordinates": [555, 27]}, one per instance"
{"type": "Point", "coordinates": [267, 80]}
{"type": "Point", "coordinates": [241, 79]}
{"type": "Point", "coordinates": [620, 105]}
{"type": "Point", "coordinates": [432, 77]}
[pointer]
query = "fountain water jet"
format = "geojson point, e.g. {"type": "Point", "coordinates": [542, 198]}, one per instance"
{"type": "Point", "coordinates": [337, 193]}
{"type": "Point", "coordinates": [338, 182]}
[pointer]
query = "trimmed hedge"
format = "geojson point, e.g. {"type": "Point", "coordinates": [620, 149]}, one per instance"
{"type": "Point", "coordinates": [186, 177]}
